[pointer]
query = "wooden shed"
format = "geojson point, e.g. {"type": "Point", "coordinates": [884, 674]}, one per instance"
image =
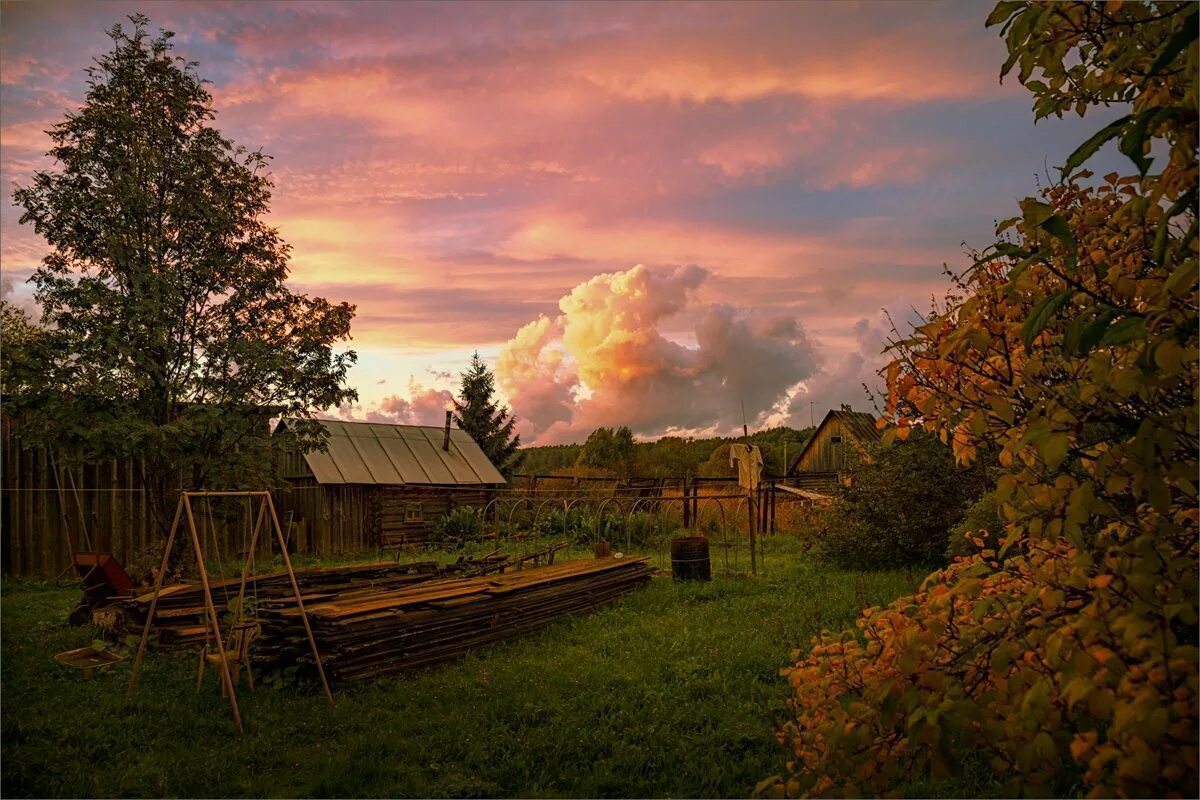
{"type": "Point", "coordinates": [381, 485]}
{"type": "Point", "coordinates": [841, 434]}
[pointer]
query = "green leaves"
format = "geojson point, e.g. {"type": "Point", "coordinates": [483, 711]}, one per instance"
{"type": "Point", "coordinates": [1041, 216]}
{"type": "Point", "coordinates": [1093, 143]}
{"type": "Point", "coordinates": [1176, 44]}
{"type": "Point", "coordinates": [1125, 331]}
{"type": "Point", "coordinates": [1042, 313]}
{"type": "Point", "coordinates": [1134, 142]}
{"type": "Point", "coordinates": [1003, 10]}
{"type": "Point", "coordinates": [1095, 330]}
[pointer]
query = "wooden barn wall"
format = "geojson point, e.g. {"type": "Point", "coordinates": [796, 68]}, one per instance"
{"type": "Point", "coordinates": [327, 520]}
{"type": "Point", "coordinates": [824, 455]}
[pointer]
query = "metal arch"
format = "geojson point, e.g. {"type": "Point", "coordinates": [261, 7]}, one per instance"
{"type": "Point", "coordinates": [600, 517]}
{"type": "Point", "coordinates": [633, 509]}
{"type": "Point", "coordinates": [519, 501]}
{"type": "Point", "coordinates": [537, 515]}
{"type": "Point", "coordinates": [724, 527]}
{"type": "Point", "coordinates": [495, 501]}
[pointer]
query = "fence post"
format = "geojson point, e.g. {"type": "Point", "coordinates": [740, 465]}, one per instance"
{"type": "Point", "coordinates": [774, 493]}
{"type": "Point", "coordinates": [687, 506]}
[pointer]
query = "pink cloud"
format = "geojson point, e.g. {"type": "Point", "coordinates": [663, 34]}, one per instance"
{"type": "Point", "coordinates": [458, 170]}
{"type": "Point", "coordinates": [606, 360]}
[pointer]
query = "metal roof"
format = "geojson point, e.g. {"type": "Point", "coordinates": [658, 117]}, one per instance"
{"type": "Point", "coordinates": [399, 455]}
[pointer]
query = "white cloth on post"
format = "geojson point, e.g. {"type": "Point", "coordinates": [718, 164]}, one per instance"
{"type": "Point", "coordinates": [749, 462]}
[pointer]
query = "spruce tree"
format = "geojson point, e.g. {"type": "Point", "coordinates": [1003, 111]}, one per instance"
{"type": "Point", "coordinates": [489, 423]}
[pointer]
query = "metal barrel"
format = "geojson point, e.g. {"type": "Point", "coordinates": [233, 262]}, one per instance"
{"type": "Point", "coordinates": [689, 559]}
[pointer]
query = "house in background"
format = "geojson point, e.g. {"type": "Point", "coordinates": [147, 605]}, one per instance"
{"type": "Point", "coordinates": [382, 485]}
{"type": "Point", "coordinates": [841, 437]}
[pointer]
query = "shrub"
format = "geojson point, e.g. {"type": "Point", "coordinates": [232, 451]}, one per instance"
{"type": "Point", "coordinates": [462, 524]}
{"type": "Point", "coordinates": [899, 505]}
{"type": "Point", "coordinates": [980, 522]}
{"type": "Point", "coordinates": [1068, 658]}
{"type": "Point", "coordinates": [647, 530]}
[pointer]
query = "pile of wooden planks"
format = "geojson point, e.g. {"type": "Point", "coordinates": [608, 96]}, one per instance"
{"type": "Point", "coordinates": [179, 618]}
{"type": "Point", "coordinates": [371, 633]}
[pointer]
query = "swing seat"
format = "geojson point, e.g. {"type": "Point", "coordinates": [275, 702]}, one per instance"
{"type": "Point", "coordinates": [237, 652]}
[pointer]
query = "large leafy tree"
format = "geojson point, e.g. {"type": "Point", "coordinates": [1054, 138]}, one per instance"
{"type": "Point", "coordinates": [609, 450]}
{"type": "Point", "coordinates": [169, 333]}
{"type": "Point", "coordinates": [19, 343]}
{"type": "Point", "coordinates": [490, 424]}
{"type": "Point", "coordinates": [1066, 658]}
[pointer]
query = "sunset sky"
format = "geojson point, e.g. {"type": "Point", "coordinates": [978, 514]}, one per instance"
{"type": "Point", "coordinates": [491, 177]}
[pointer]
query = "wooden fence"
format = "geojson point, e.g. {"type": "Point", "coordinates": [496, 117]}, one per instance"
{"type": "Point", "coordinates": [42, 502]}
{"type": "Point", "coordinates": [102, 507]}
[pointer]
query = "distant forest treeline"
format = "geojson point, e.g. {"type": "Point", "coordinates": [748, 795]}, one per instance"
{"type": "Point", "coordinates": [668, 457]}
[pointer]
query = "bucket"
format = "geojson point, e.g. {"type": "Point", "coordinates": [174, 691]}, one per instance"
{"type": "Point", "coordinates": [689, 559]}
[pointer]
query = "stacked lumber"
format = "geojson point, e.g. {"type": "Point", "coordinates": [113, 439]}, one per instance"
{"type": "Point", "coordinates": [179, 618]}
{"type": "Point", "coordinates": [364, 635]}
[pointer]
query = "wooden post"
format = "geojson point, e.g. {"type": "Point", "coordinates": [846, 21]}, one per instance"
{"type": "Point", "coordinates": [750, 513]}
{"type": "Point", "coordinates": [158, 580]}
{"type": "Point", "coordinates": [47, 550]}
{"type": "Point", "coordinates": [62, 509]}
{"type": "Point", "coordinates": [687, 505]}
{"type": "Point", "coordinates": [212, 613]}
{"type": "Point", "coordinates": [84, 537]}
{"type": "Point", "coordinates": [287, 562]}
{"type": "Point", "coordinates": [774, 493]}
{"type": "Point", "coordinates": [113, 495]}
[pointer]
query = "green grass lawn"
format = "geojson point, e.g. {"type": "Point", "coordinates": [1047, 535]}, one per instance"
{"type": "Point", "coordinates": [674, 691]}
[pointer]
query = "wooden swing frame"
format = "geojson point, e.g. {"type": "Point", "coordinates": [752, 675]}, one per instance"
{"type": "Point", "coordinates": [185, 508]}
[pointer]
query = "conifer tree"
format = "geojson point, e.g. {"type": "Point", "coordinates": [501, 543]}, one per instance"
{"type": "Point", "coordinates": [479, 414]}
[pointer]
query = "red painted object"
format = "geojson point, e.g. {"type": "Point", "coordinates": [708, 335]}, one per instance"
{"type": "Point", "coordinates": [100, 571]}
{"type": "Point", "coordinates": [103, 578]}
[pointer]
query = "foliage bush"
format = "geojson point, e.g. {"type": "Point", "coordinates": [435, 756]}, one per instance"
{"type": "Point", "coordinates": [898, 506]}
{"type": "Point", "coordinates": [980, 522]}
{"type": "Point", "coordinates": [579, 524]}
{"type": "Point", "coordinates": [1068, 657]}
{"type": "Point", "coordinates": [462, 524]}
{"type": "Point", "coordinates": [647, 530]}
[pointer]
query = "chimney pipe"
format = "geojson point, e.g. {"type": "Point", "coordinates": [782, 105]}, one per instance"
{"type": "Point", "coordinates": [446, 441]}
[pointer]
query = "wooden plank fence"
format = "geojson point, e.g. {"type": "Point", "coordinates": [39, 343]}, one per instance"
{"type": "Point", "coordinates": [102, 507]}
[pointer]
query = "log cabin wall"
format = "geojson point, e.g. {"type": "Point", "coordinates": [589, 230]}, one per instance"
{"type": "Point", "coordinates": [409, 515]}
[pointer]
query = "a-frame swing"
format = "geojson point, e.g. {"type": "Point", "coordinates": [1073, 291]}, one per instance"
{"type": "Point", "coordinates": [185, 507]}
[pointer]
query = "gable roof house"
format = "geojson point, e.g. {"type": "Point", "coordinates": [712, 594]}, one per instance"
{"type": "Point", "coordinates": [844, 434]}
{"type": "Point", "coordinates": [382, 485]}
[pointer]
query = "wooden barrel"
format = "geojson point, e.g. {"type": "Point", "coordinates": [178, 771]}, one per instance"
{"type": "Point", "coordinates": [689, 559]}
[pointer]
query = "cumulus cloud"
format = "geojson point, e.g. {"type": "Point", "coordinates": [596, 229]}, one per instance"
{"type": "Point", "coordinates": [607, 359]}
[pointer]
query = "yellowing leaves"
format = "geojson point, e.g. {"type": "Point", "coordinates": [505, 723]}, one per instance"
{"type": "Point", "coordinates": [1070, 352]}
